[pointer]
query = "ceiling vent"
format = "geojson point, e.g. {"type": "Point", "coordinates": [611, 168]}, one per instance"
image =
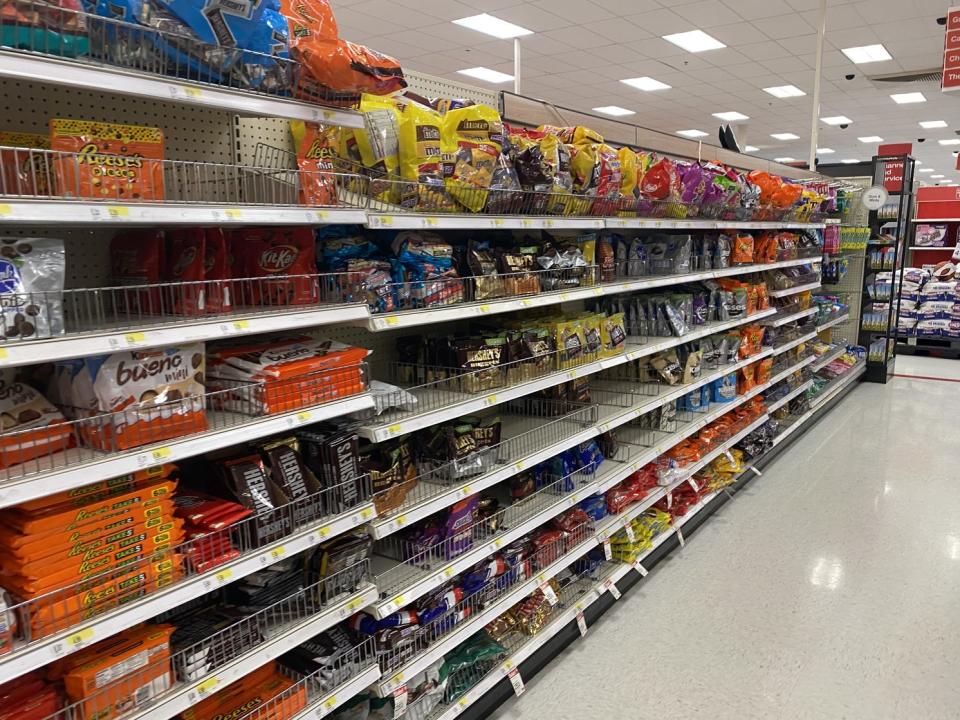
{"type": "Point", "coordinates": [910, 77]}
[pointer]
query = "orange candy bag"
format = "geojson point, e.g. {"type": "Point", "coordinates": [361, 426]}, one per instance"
{"type": "Point", "coordinates": [316, 150]}
{"type": "Point", "coordinates": [107, 161]}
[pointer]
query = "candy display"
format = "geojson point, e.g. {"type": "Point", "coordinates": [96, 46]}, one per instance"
{"type": "Point", "coordinates": [265, 685]}
{"type": "Point", "coordinates": [32, 272]}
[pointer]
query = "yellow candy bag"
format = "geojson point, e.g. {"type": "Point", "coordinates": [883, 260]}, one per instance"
{"type": "Point", "coordinates": [421, 160]}
{"type": "Point", "coordinates": [377, 145]}
{"type": "Point", "coordinates": [473, 138]}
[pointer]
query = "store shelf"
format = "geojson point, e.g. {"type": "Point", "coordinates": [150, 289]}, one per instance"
{"type": "Point", "coordinates": [790, 370]}
{"type": "Point", "coordinates": [195, 329]}
{"type": "Point", "coordinates": [831, 323]}
{"type": "Point", "coordinates": [794, 290]}
{"type": "Point", "coordinates": [837, 384]}
{"type": "Point", "coordinates": [84, 212]}
{"type": "Point", "coordinates": [185, 695]}
{"type": "Point", "coordinates": [847, 378]}
{"type": "Point", "coordinates": [776, 405]}
{"type": "Point", "coordinates": [21, 66]}
{"type": "Point", "coordinates": [461, 311]}
{"type": "Point", "coordinates": [340, 695]}
{"type": "Point", "coordinates": [779, 320]}
{"type": "Point", "coordinates": [927, 247]}
{"type": "Point", "coordinates": [71, 469]}
{"type": "Point", "coordinates": [415, 221]}
{"type": "Point", "coordinates": [36, 654]}
{"type": "Point", "coordinates": [780, 349]}
{"type": "Point", "coordinates": [829, 358]}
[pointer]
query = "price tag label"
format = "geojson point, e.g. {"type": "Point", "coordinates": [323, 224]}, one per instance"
{"type": "Point", "coordinates": [207, 685]}
{"type": "Point", "coordinates": [79, 638]}
{"type": "Point", "coordinates": [329, 704]}
{"type": "Point", "coordinates": [484, 308]}
{"type": "Point", "coordinates": [322, 215]}
{"type": "Point", "coordinates": [491, 399]}
{"type": "Point", "coordinates": [366, 513]}
{"type": "Point", "coordinates": [755, 471]}
{"type": "Point", "coordinates": [395, 429]}
{"type": "Point", "coordinates": [680, 536]}
{"type": "Point", "coordinates": [582, 624]}
{"type": "Point", "coordinates": [6, 210]}
{"type": "Point", "coordinates": [612, 588]}
{"type": "Point", "coordinates": [628, 529]}
{"type": "Point", "coordinates": [233, 214]}
{"type": "Point", "coordinates": [135, 338]}
{"type": "Point", "coordinates": [223, 576]}
{"type": "Point", "coordinates": [4, 354]}
{"type": "Point", "coordinates": [548, 223]}
{"type": "Point", "coordinates": [607, 549]}
{"type": "Point", "coordinates": [304, 416]}
{"type": "Point", "coordinates": [386, 220]}
{"type": "Point", "coordinates": [241, 325]}
{"type": "Point", "coordinates": [192, 92]}
{"type": "Point", "coordinates": [160, 454]}
{"type": "Point", "coordinates": [549, 593]}
{"type": "Point", "coordinates": [448, 572]}
{"type": "Point", "coordinates": [526, 302]}
{"type": "Point", "coordinates": [323, 532]}
{"type": "Point", "coordinates": [497, 222]}
{"type": "Point", "coordinates": [399, 702]}
{"type": "Point", "coordinates": [693, 484]}
{"type": "Point", "coordinates": [518, 466]}
{"type": "Point", "coordinates": [277, 553]}
{"type": "Point", "coordinates": [669, 500]}
{"type": "Point", "coordinates": [118, 211]}
{"type": "Point", "coordinates": [638, 566]}
{"type": "Point", "coordinates": [400, 521]}
{"type": "Point", "coordinates": [431, 221]}
{"type": "Point", "coordinates": [516, 681]}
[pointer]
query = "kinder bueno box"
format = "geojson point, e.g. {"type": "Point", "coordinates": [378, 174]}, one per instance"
{"type": "Point", "coordinates": [31, 426]}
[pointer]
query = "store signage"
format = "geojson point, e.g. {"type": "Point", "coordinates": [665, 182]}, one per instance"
{"type": "Point", "coordinates": [874, 198]}
{"type": "Point", "coordinates": [951, 52]}
{"type": "Point", "coordinates": [893, 171]}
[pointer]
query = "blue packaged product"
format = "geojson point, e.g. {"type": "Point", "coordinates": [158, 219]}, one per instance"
{"type": "Point", "coordinates": [724, 390]}
{"type": "Point", "coordinates": [595, 506]}
{"type": "Point", "coordinates": [705, 396]}
{"type": "Point", "coordinates": [588, 457]}
{"type": "Point", "coordinates": [692, 401]}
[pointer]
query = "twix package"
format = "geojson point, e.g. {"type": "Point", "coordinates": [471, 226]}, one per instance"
{"type": "Point", "coordinates": [106, 161]}
{"type": "Point", "coordinates": [151, 395]}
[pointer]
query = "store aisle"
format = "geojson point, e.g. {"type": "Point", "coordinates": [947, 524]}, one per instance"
{"type": "Point", "coordinates": [827, 589]}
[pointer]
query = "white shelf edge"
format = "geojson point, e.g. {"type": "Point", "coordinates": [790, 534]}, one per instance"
{"type": "Point", "coordinates": [841, 382]}
{"type": "Point", "coordinates": [929, 247]}
{"type": "Point", "coordinates": [778, 321]}
{"type": "Point", "coordinates": [779, 350]}
{"type": "Point", "coordinates": [831, 323]}
{"type": "Point", "coordinates": [41, 652]}
{"type": "Point", "coordinates": [828, 358]}
{"type": "Point", "coordinates": [441, 221]}
{"type": "Point", "coordinates": [794, 290]}
{"type": "Point", "coordinates": [494, 306]}
{"type": "Point", "coordinates": [184, 695]}
{"type": "Point", "coordinates": [340, 695]}
{"type": "Point", "coordinates": [36, 68]}
{"type": "Point", "coordinates": [198, 330]}
{"type": "Point", "coordinates": [73, 475]}
{"type": "Point", "coordinates": [90, 212]}
{"type": "Point", "coordinates": [387, 430]}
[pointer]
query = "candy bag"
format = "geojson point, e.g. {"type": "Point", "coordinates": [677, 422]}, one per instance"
{"type": "Point", "coordinates": [474, 137]}
{"type": "Point", "coordinates": [420, 159]}
{"type": "Point", "coordinates": [316, 149]}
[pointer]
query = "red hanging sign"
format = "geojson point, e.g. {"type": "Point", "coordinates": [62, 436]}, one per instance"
{"type": "Point", "coordinates": [893, 171]}
{"type": "Point", "coordinates": [951, 52]}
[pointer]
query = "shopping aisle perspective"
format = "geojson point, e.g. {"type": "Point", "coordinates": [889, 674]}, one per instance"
{"type": "Point", "coordinates": [821, 591]}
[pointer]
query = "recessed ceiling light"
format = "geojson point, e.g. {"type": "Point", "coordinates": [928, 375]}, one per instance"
{"type": "Point", "coordinates": [937, 177]}
{"type": "Point", "coordinates": [692, 133]}
{"type": "Point", "coordinates": [906, 98]}
{"type": "Point", "coordinates": [645, 83]}
{"type": "Point", "coordinates": [491, 25]}
{"type": "Point", "coordinates": [750, 148]}
{"type": "Point", "coordinates": [614, 110]}
{"type": "Point", "coordinates": [825, 151]}
{"type": "Point", "coordinates": [694, 41]}
{"type": "Point", "coordinates": [867, 54]}
{"type": "Point", "coordinates": [784, 160]}
{"type": "Point", "coordinates": [785, 136]}
{"type": "Point", "coordinates": [870, 139]}
{"type": "Point", "coordinates": [837, 120]}
{"type": "Point", "coordinates": [731, 116]}
{"type": "Point", "coordinates": [784, 91]}
{"type": "Point", "coordinates": [951, 141]}
{"type": "Point", "coordinates": [932, 124]}
{"type": "Point", "coordinates": [482, 73]}
{"type": "Point", "coordinates": [850, 161]}
{"type": "Point", "coordinates": [926, 170]}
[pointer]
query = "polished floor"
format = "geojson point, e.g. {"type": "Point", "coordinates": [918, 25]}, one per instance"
{"type": "Point", "coordinates": [829, 588]}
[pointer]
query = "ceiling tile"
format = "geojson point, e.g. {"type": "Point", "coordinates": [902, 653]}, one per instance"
{"type": "Point", "coordinates": [440, 9]}
{"type": "Point", "coordinates": [619, 30]}
{"type": "Point", "coordinates": [706, 14]}
{"type": "Point", "coordinates": [661, 22]}
{"type": "Point", "coordinates": [764, 50]}
{"type": "Point", "coordinates": [577, 37]}
{"type": "Point", "coordinates": [783, 26]}
{"type": "Point", "coordinates": [574, 11]}
{"type": "Point", "coordinates": [618, 54]}
{"type": "Point", "coordinates": [532, 17]}
{"type": "Point", "coordinates": [756, 9]}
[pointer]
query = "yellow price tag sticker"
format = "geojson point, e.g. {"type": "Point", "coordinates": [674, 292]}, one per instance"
{"type": "Point", "coordinates": [223, 575]}
{"type": "Point", "coordinates": [323, 532]}
{"type": "Point", "coordinates": [399, 600]}
{"type": "Point", "coordinates": [491, 399]}
{"type": "Point", "coordinates": [193, 92]}
{"type": "Point", "coordinates": [278, 552]}
{"type": "Point", "coordinates": [135, 338]}
{"type": "Point", "coordinates": [6, 210]}
{"type": "Point", "coordinates": [508, 664]}
{"type": "Point", "coordinates": [3, 354]}
{"type": "Point", "coordinates": [386, 220]}
{"type": "Point", "coordinates": [448, 572]}
{"type": "Point", "coordinates": [431, 221]}
{"type": "Point", "coordinates": [498, 543]}
{"type": "Point", "coordinates": [207, 685]}
{"type": "Point", "coordinates": [393, 320]}
{"type": "Point", "coordinates": [118, 211]}
{"type": "Point", "coordinates": [498, 222]}
{"type": "Point", "coordinates": [484, 308]}
{"type": "Point", "coordinates": [366, 513]}
{"type": "Point", "coordinates": [397, 679]}
{"type": "Point", "coordinates": [233, 213]}
{"type": "Point", "coordinates": [161, 454]}
{"type": "Point", "coordinates": [526, 303]}
{"type": "Point", "coordinates": [80, 637]}
{"type": "Point", "coordinates": [467, 489]}
{"type": "Point", "coordinates": [401, 520]}
{"type": "Point", "coordinates": [518, 467]}
{"type": "Point", "coordinates": [330, 702]}
{"type": "Point", "coordinates": [241, 325]}
{"type": "Point", "coordinates": [395, 429]}
{"type": "Point", "coordinates": [548, 223]}
{"type": "Point", "coordinates": [304, 416]}
{"type": "Point", "coordinates": [322, 215]}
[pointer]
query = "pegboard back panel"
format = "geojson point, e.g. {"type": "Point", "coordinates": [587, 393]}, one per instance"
{"type": "Point", "coordinates": [431, 87]}
{"type": "Point", "coordinates": [87, 251]}
{"type": "Point", "coordinates": [190, 133]}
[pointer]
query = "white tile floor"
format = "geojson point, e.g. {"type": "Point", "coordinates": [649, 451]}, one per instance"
{"type": "Point", "coordinates": [828, 589]}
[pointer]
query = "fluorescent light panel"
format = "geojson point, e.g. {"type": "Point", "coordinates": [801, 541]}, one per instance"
{"type": "Point", "coordinates": [850, 161]}
{"type": "Point", "coordinates": [927, 170]}
{"type": "Point", "coordinates": [936, 177]}
{"type": "Point", "coordinates": [907, 98]}
{"type": "Point", "coordinates": [785, 160]}
{"type": "Point", "coordinates": [867, 54]}
{"type": "Point", "coordinates": [933, 124]}
{"type": "Point", "coordinates": [482, 73]}
{"type": "Point", "coordinates": [692, 133]}
{"type": "Point", "coordinates": [750, 148]}
{"type": "Point", "coordinates": [731, 116]}
{"type": "Point", "coordinates": [490, 25]}
{"type": "Point", "coordinates": [825, 151]}
{"type": "Point", "coordinates": [647, 84]}
{"type": "Point", "coordinates": [694, 41]}
{"type": "Point", "coordinates": [784, 91]}
{"type": "Point", "coordinates": [836, 120]}
{"type": "Point", "coordinates": [870, 139]}
{"type": "Point", "coordinates": [951, 141]}
{"type": "Point", "coordinates": [785, 136]}
{"type": "Point", "coordinates": [614, 110]}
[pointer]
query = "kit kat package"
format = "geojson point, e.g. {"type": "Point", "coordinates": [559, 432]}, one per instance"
{"type": "Point", "coordinates": [280, 263]}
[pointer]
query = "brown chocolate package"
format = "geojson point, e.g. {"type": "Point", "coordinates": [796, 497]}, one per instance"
{"type": "Point", "coordinates": [480, 361]}
{"type": "Point", "coordinates": [392, 473]}
{"type": "Point", "coordinates": [518, 268]}
{"type": "Point", "coordinates": [247, 480]}
{"type": "Point", "coordinates": [333, 457]}
{"type": "Point", "coordinates": [483, 266]}
{"type": "Point", "coordinates": [292, 476]}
